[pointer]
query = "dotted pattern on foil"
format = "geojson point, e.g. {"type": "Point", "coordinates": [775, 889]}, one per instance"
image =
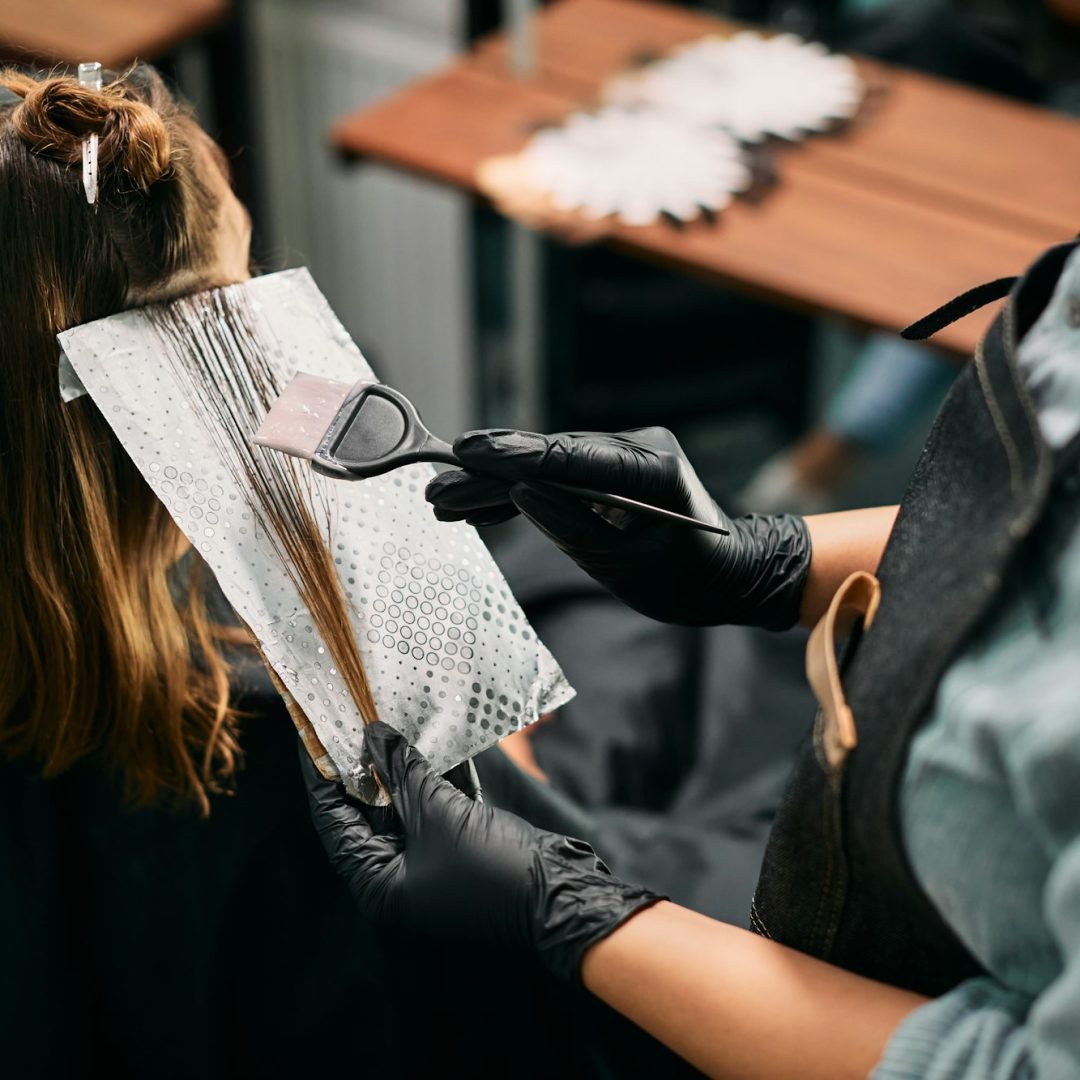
{"type": "Point", "coordinates": [451, 659]}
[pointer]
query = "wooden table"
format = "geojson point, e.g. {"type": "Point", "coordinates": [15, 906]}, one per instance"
{"type": "Point", "coordinates": [112, 31]}
{"type": "Point", "coordinates": [934, 187]}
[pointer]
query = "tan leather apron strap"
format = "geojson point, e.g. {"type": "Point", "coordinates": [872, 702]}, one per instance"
{"type": "Point", "coordinates": [857, 598]}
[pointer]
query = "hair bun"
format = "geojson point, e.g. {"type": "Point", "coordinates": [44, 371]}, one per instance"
{"type": "Point", "coordinates": [57, 114]}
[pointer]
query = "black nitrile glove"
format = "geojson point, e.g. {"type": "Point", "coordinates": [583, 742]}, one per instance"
{"type": "Point", "coordinates": [670, 572]}
{"type": "Point", "coordinates": [443, 864]}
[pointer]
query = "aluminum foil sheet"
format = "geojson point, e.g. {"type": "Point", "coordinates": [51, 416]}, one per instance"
{"type": "Point", "coordinates": [451, 659]}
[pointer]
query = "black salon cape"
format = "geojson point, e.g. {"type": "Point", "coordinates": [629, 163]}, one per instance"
{"type": "Point", "coordinates": [153, 944]}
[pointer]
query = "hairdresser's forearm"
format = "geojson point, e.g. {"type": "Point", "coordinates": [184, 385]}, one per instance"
{"type": "Point", "coordinates": [842, 543]}
{"type": "Point", "coordinates": [738, 1005]}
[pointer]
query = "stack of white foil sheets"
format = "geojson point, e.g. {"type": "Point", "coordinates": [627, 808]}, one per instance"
{"type": "Point", "coordinates": [451, 659]}
{"type": "Point", "coordinates": [669, 140]}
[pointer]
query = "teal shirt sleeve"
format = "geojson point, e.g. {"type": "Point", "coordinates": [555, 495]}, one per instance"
{"type": "Point", "coordinates": [1029, 932]}
{"type": "Point", "coordinates": [981, 1029]}
{"type": "Point", "coordinates": [990, 803]}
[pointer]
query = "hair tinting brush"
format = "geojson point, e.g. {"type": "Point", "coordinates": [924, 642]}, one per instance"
{"type": "Point", "coordinates": [368, 429]}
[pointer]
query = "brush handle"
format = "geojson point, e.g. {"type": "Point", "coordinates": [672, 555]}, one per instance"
{"type": "Point", "coordinates": [435, 449]}
{"type": "Point", "coordinates": [414, 442]}
{"type": "Point", "coordinates": [634, 506]}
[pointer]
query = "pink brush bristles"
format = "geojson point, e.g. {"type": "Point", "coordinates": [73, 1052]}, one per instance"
{"type": "Point", "coordinates": [298, 420]}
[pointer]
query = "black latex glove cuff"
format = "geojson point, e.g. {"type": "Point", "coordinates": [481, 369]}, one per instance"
{"type": "Point", "coordinates": [775, 567]}
{"type": "Point", "coordinates": [594, 905]}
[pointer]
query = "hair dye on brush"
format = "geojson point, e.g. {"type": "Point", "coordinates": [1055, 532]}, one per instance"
{"type": "Point", "coordinates": [360, 601]}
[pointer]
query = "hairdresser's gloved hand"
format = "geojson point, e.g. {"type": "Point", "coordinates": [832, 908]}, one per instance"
{"type": "Point", "coordinates": [443, 864]}
{"type": "Point", "coordinates": [667, 571]}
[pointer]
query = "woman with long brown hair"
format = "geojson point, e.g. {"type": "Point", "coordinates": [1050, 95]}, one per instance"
{"type": "Point", "coordinates": [120, 692]}
{"type": "Point", "coordinates": [166, 908]}
{"type": "Point", "coordinates": [87, 552]}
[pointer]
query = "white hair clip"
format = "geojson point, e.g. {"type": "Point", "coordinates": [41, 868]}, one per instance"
{"type": "Point", "coordinates": [90, 77]}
